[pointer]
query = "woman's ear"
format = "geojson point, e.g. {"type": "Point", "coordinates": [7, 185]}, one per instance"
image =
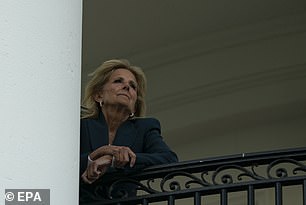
{"type": "Point", "coordinates": [98, 97]}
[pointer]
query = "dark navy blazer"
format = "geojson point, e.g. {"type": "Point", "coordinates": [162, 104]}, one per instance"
{"type": "Point", "coordinates": [141, 135]}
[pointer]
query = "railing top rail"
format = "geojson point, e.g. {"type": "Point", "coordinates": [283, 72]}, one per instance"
{"type": "Point", "coordinates": [208, 164]}
{"type": "Point", "coordinates": [243, 159]}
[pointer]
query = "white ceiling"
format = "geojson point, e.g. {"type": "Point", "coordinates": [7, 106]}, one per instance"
{"type": "Point", "coordinates": [193, 55]}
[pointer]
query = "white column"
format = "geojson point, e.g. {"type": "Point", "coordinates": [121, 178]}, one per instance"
{"type": "Point", "coordinates": [40, 60]}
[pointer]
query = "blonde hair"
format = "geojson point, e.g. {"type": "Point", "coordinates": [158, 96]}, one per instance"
{"type": "Point", "coordinates": [90, 108]}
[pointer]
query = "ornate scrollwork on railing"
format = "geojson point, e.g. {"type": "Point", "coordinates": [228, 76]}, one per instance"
{"type": "Point", "coordinates": [147, 186]}
{"type": "Point", "coordinates": [282, 172]}
{"type": "Point", "coordinates": [228, 178]}
{"type": "Point", "coordinates": [116, 188]}
{"type": "Point", "coordinates": [225, 174]}
{"type": "Point", "coordinates": [189, 180]}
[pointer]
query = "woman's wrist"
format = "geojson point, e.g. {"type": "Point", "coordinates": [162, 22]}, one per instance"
{"type": "Point", "coordinates": [89, 159]}
{"type": "Point", "coordinates": [101, 151]}
{"type": "Point", "coordinates": [92, 156]}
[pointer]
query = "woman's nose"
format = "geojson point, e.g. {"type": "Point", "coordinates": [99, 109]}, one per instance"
{"type": "Point", "coordinates": [126, 86]}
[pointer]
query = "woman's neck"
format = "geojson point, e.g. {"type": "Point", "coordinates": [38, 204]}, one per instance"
{"type": "Point", "coordinates": [114, 117]}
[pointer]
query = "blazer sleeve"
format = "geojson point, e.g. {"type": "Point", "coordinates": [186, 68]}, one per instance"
{"type": "Point", "coordinates": [84, 146]}
{"type": "Point", "coordinates": [155, 151]}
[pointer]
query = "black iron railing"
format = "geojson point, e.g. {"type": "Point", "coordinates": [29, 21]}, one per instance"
{"type": "Point", "coordinates": [247, 175]}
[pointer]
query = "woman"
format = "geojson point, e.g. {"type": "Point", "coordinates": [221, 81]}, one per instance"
{"type": "Point", "coordinates": [114, 133]}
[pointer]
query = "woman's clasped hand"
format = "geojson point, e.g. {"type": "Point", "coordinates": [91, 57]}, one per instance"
{"type": "Point", "coordinates": [104, 157]}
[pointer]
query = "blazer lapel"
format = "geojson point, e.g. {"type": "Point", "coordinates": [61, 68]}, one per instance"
{"type": "Point", "coordinates": [99, 132]}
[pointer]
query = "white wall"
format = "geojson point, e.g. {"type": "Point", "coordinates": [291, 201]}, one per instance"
{"type": "Point", "coordinates": [40, 49]}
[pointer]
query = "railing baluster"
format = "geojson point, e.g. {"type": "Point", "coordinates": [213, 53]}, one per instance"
{"type": "Point", "coordinates": [304, 192]}
{"type": "Point", "coordinates": [171, 200]}
{"type": "Point", "coordinates": [197, 198]}
{"type": "Point", "coordinates": [144, 202]}
{"type": "Point", "coordinates": [224, 197]}
{"type": "Point", "coordinates": [278, 194]}
{"type": "Point", "coordinates": [251, 198]}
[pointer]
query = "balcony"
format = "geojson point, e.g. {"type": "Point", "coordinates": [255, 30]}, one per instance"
{"type": "Point", "coordinates": [274, 177]}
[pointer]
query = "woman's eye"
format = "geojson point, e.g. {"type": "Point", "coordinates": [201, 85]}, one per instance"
{"type": "Point", "coordinates": [118, 81]}
{"type": "Point", "coordinates": [133, 86]}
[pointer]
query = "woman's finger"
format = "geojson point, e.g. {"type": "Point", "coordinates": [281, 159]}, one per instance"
{"type": "Point", "coordinates": [98, 167]}
{"type": "Point", "coordinates": [132, 156]}
{"type": "Point", "coordinates": [123, 156]}
{"type": "Point", "coordinates": [85, 178]}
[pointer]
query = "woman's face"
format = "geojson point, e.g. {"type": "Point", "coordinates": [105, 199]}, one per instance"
{"type": "Point", "coordinates": [121, 89]}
